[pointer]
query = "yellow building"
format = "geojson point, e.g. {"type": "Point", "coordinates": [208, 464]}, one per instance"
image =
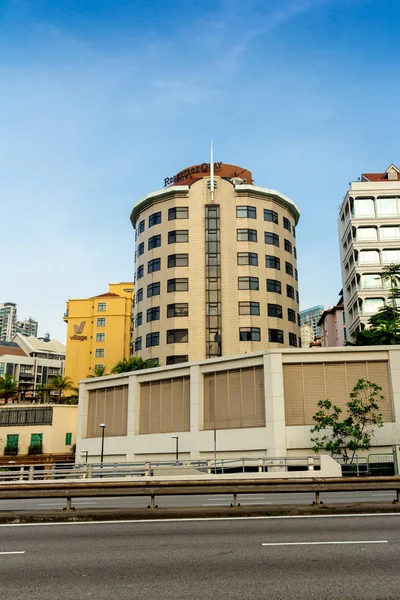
{"type": "Point", "coordinates": [99, 330]}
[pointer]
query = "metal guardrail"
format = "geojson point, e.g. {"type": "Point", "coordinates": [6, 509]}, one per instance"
{"type": "Point", "coordinates": [154, 488]}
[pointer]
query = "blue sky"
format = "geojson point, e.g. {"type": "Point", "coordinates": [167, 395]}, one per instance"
{"type": "Point", "coordinates": [102, 99]}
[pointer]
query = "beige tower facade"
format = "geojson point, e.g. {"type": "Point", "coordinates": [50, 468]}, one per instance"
{"type": "Point", "coordinates": [215, 274]}
{"type": "Point", "coordinates": [369, 232]}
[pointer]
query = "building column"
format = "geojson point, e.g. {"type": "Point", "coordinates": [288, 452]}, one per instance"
{"type": "Point", "coordinates": [133, 414]}
{"type": "Point", "coordinates": [196, 410]}
{"type": "Point", "coordinates": [274, 405]}
{"type": "Point", "coordinates": [82, 420]}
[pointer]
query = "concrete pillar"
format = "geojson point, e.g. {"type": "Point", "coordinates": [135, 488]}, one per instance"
{"type": "Point", "coordinates": [196, 411]}
{"type": "Point", "coordinates": [274, 405]}
{"type": "Point", "coordinates": [132, 426]}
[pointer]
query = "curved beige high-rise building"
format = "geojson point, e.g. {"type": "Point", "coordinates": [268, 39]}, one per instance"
{"type": "Point", "coordinates": [215, 271]}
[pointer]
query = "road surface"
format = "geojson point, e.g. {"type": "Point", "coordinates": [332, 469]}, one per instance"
{"type": "Point", "coordinates": [301, 558]}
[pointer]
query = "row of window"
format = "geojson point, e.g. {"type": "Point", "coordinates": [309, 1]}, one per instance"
{"type": "Point", "coordinates": [244, 283]}
{"type": "Point", "coordinates": [244, 308]}
{"type": "Point", "coordinates": [242, 212]}
{"type": "Point", "coordinates": [246, 334]}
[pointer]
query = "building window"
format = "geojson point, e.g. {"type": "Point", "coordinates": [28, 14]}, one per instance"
{"type": "Point", "coordinates": [178, 285]}
{"type": "Point", "coordinates": [101, 322]}
{"type": "Point", "coordinates": [275, 310]}
{"type": "Point", "coordinates": [297, 298]}
{"type": "Point", "coordinates": [289, 268]}
{"type": "Point", "coordinates": [138, 319]}
{"type": "Point", "coordinates": [291, 315]}
{"type": "Point", "coordinates": [273, 262]}
{"type": "Point", "coordinates": [153, 314]}
{"type": "Point", "coordinates": [178, 260]}
{"type": "Point", "coordinates": [246, 212]}
{"type": "Point", "coordinates": [248, 283]}
{"type": "Point", "coordinates": [286, 224]}
{"type": "Point", "coordinates": [294, 231]}
{"type": "Point", "coordinates": [68, 439]}
{"type": "Point", "coordinates": [247, 258]}
{"type": "Point", "coordinates": [36, 439]}
{"type": "Point", "coordinates": [140, 272]}
{"type": "Point", "coordinates": [249, 334]}
{"type": "Point", "coordinates": [139, 295]}
{"type": "Point", "coordinates": [298, 320]}
{"type": "Point", "coordinates": [154, 265]}
{"type": "Point", "coordinates": [98, 366]}
{"type": "Point", "coordinates": [155, 219]}
{"type": "Point", "coordinates": [275, 335]}
{"type": "Point", "coordinates": [99, 353]}
{"type": "Point", "coordinates": [290, 291]}
{"type": "Point", "coordinates": [178, 358]}
{"type": "Point", "coordinates": [288, 246]}
{"type": "Point", "coordinates": [152, 339]}
{"type": "Point", "coordinates": [12, 442]}
{"type": "Point", "coordinates": [246, 235]}
{"type": "Point", "coordinates": [294, 252]}
{"type": "Point", "coordinates": [179, 212]}
{"type": "Point", "coordinates": [271, 238]}
{"type": "Point", "coordinates": [179, 236]}
{"type": "Point", "coordinates": [138, 344]}
{"type": "Point", "coordinates": [296, 275]}
{"type": "Point", "coordinates": [270, 215]}
{"type": "Point", "coordinates": [177, 336]}
{"type": "Point", "coordinates": [141, 227]}
{"type": "Point", "coordinates": [274, 286]}
{"type": "Point", "coordinates": [249, 308]}
{"type": "Point", "coordinates": [153, 289]}
{"type": "Point", "coordinates": [178, 310]}
{"type": "Point", "coordinates": [292, 340]}
{"type": "Point", "coordinates": [140, 249]}
{"type": "Point", "coordinates": [154, 242]}
{"type": "Point", "coordinates": [100, 337]}
{"type": "Point", "coordinates": [102, 306]}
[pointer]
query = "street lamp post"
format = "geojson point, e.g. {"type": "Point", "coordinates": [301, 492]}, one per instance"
{"type": "Point", "coordinates": [176, 438]}
{"type": "Point", "coordinates": [103, 427]}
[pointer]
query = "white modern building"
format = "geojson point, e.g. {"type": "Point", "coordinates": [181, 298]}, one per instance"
{"type": "Point", "coordinates": [369, 233]}
{"type": "Point", "coordinates": [9, 324]}
{"type": "Point", "coordinates": [259, 404]}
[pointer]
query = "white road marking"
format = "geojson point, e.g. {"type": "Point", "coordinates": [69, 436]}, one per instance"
{"type": "Point", "coordinates": [189, 519]}
{"type": "Point", "coordinates": [324, 543]}
{"type": "Point", "coordinates": [21, 552]}
{"type": "Point", "coordinates": [245, 503]}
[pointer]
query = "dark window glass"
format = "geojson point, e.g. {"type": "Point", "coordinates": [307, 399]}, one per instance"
{"type": "Point", "coordinates": [139, 295]}
{"type": "Point", "coordinates": [152, 339]}
{"type": "Point", "coordinates": [178, 285]}
{"type": "Point", "coordinates": [177, 336]}
{"type": "Point", "coordinates": [141, 227]}
{"type": "Point", "coordinates": [154, 242]}
{"type": "Point", "coordinates": [286, 224]}
{"type": "Point", "coordinates": [273, 262]}
{"type": "Point", "coordinates": [155, 219]}
{"type": "Point", "coordinates": [271, 238]}
{"type": "Point", "coordinates": [270, 215]}
{"type": "Point", "coordinates": [178, 310]}
{"type": "Point", "coordinates": [296, 275]}
{"type": "Point", "coordinates": [153, 314]}
{"type": "Point", "coordinates": [140, 271]}
{"type": "Point", "coordinates": [298, 320]}
{"type": "Point", "coordinates": [300, 344]}
{"type": "Point", "coordinates": [249, 334]}
{"type": "Point", "coordinates": [294, 231]}
{"type": "Point", "coordinates": [140, 249]}
{"type": "Point", "coordinates": [247, 258]}
{"type": "Point", "coordinates": [138, 344]}
{"type": "Point", "coordinates": [178, 236]}
{"type": "Point", "coordinates": [294, 252]}
{"type": "Point", "coordinates": [292, 340]}
{"type": "Point", "coordinates": [246, 235]}
{"type": "Point", "coordinates": [288, 246]}
{"type": "Point", "coordinates": [179, 212]}
{"type": "Point", "coordinates": [178, 260]}
{"type": "Point", "coordinates": [249, 308]}
{"type": "Point", "coordinates": [289, 268]}
{"type": "Point", "coordinates": [153, 289]}
{"type": "Point", "coordinates": [138, 319]}
{"type": "Point", "coordinates": [275, 310]}
{"type": "Point", "coordinates": [248, 283]}
{"type": "Point", "coordinates": [290, 291]}
{"type": "Point", "coordinates": [291, 315]}
{"type": "Point", "coordinates": [178, 358]}
{"type": "Point", "coordinates": [274, 286]}
{"type": "Point", "coordinates": [275, 335]}
{"type": "Point", "coordinates": [297, 298]}
{"type": "Point", "coordinates": [154, 265]}
{"type": "Point", "coordinates": [248, 212]}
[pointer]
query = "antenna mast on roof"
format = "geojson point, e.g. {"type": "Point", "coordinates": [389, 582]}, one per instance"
{"type": "Point", "coordinates": [211, 172]}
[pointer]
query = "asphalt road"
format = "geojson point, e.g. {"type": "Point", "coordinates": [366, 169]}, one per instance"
{"type": "Point", "coordinates": [197, 501]}
{"type": "Point", "coordinates": [321, 558]}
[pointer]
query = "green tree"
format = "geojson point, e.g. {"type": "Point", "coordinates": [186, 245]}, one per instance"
{"type": "Point", "coordinates": [135, 363]}
{"type": "Point", "coordinates": [61, 384]}
{"type": "Point", "coordinates": [98, 372]}
{"type": "Point", "coordinates": [391, 275]}
{"type": "Point", "coordinates": [345, 434]}
{"type": "Point", "coordinates": [42, 392]}
{"type": "Point", "coordinates": [8, 388]}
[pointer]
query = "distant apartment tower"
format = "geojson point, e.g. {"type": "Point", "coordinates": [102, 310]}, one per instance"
{"type": "Point", "coordinates": [307, 335]}
{"type": "Point", "coordinates": [311, 316]}
{"type": "Point", "coordinates": [369, 235]}
{"type": "Point", "coordinates": [332, 324]}
{"type": "Point", "coordinates": [9, 325]}
{"type": "Point", "coordinates": [28, 327]}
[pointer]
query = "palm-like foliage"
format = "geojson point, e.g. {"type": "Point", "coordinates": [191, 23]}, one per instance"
{"type": "Point", "coordinates": [8, 388]}
{"type": "Point", "coordinates": [42, 391]}
{"type": "Point", "coordinates": [62, 384]}
{"type": "Point", "coordinates": [391, 275]}
{"type": "Point", "coordinates": [135, 363]}
{"type": "Point", "coordinates": [98, 372]}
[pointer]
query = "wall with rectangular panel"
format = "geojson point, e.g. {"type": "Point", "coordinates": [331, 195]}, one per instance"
{"type": "Point", "coordinates": [165, 406]}
{"type": "Point", "coordinates": [109, 406]}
